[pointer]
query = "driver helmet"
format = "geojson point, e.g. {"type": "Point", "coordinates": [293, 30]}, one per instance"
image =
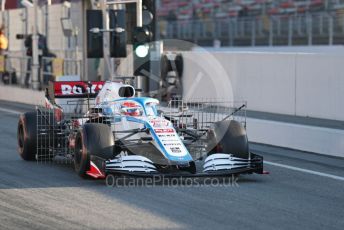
{"type": "Point", "coordinates": [130, 109]}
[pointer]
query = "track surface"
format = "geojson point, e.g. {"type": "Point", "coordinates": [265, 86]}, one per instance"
{"type": "Point", "coordinates": [50, 196]}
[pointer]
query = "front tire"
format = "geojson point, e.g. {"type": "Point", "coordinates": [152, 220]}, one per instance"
{"type": "Point", "coordinates": [229, 137]}
{"type": "Point", "coordinates": [93, 140]}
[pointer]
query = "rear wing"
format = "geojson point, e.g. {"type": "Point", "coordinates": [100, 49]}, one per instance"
{"type": "Point", "coordinates": [73, 89]}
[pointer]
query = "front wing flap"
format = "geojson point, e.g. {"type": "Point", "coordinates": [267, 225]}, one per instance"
{"type": "Point", "coordinates": [216, 165]}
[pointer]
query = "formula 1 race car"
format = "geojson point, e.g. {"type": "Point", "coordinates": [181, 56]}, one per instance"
{"type": "Point", "coordinates": [104, 129]}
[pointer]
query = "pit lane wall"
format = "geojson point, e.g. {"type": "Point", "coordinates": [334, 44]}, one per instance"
{"type": "Point", "coordinates": [313, 139]}
{"type": "Point", "coordinates": [301, 83]}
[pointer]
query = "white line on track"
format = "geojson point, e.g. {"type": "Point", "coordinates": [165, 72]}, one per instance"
{"type": "Point", "coordinates": [10, 111]}
{"type": "Point", "coordinates": [305, 170]}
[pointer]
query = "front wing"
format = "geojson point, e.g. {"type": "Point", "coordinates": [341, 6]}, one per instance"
{"type": "Point", "coordinates": [216, 165]}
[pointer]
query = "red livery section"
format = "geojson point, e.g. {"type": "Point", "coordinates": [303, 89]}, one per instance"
{"type": "Point", "coordinates": [95, 172]}
{"type": "Point", "coordinates": [68, 89]}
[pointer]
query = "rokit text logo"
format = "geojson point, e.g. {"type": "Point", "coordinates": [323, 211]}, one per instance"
{"type": "Point", "coordinates": [79, 89]}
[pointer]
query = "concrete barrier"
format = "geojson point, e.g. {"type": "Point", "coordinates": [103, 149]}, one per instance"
{"type": "Point", "coordinates": [301, 137]}
{"type": "Point", "coordinates": [302, 84]}
{"type": "Point", "coordinates": [26, 96]}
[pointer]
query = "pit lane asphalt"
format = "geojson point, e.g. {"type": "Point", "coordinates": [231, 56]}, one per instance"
{"type": "Point", "coordinates": [52, 196]}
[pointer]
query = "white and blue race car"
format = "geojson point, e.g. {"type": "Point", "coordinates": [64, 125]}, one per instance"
{"type": "Point", "coordinates": [104, 129]}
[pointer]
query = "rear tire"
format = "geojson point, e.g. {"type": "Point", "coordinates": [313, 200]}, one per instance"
{"type": "Point", "coordinates": [229, 137]}
{"type": "Point", "coordinates": [93, 140]}
{"type": "Point", "coordinates": [27, 136]}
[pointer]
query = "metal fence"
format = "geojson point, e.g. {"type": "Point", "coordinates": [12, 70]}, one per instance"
{"type": "Point", "coordinates": [309, 29]}
{"type": "Point", "coordinates": [57, 125]}
{"type": "Point", "coordinates": [200, 114]}
{"type": "Point", "coordinates": [195, 117]}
